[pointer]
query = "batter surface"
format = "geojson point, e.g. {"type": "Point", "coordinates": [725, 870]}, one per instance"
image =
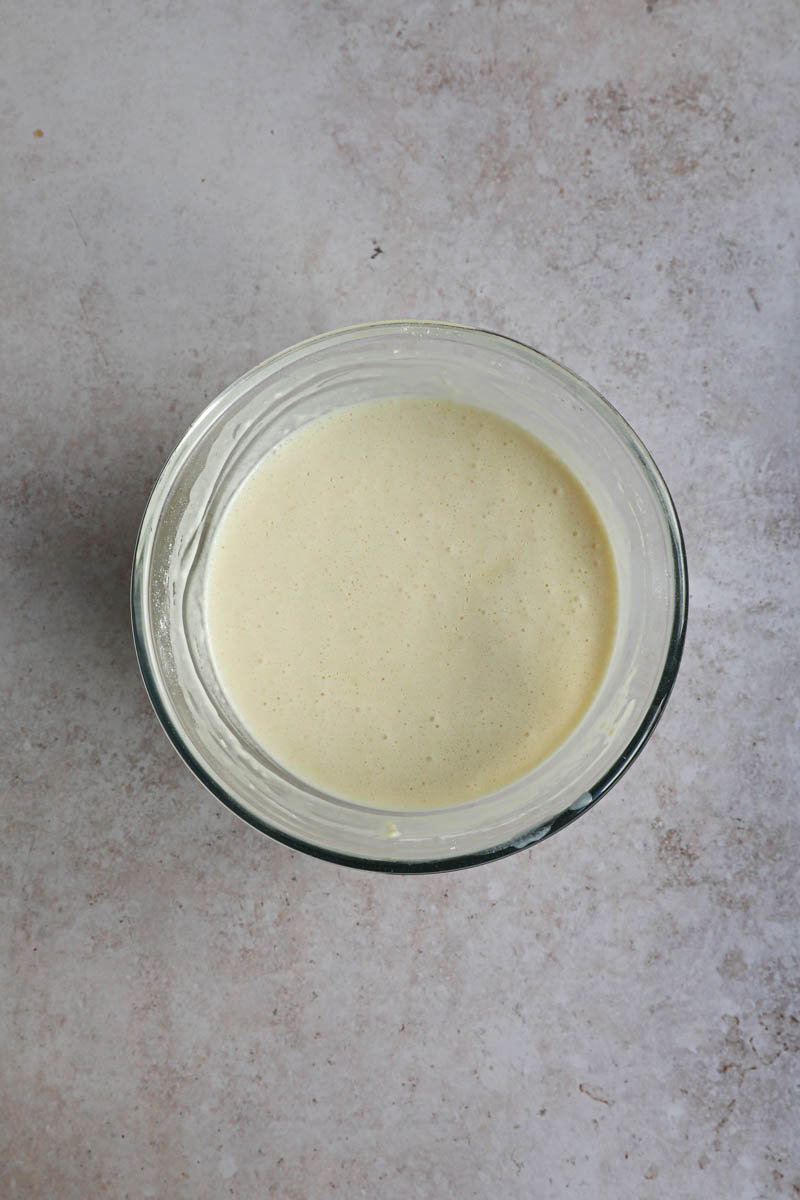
{"type": "Point", "coordinates": [411, 603]}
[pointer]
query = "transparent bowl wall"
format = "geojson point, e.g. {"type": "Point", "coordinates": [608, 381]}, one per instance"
{"type": "Point", "coordinates": [350, 367]}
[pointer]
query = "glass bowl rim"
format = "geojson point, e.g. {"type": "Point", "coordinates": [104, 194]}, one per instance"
{"type": "Point", "coordinates": [539, 832]}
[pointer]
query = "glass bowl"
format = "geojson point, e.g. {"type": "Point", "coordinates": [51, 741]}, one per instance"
{"type": "Point", "coordinates": [336, 370]}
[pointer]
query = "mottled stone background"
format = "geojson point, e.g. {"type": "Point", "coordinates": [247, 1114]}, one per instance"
{"type": "Point", "coordinates": [191, 1011]}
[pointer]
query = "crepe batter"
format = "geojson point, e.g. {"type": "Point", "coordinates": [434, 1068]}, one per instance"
{"type": "Point", "coordinates": [411, 603]}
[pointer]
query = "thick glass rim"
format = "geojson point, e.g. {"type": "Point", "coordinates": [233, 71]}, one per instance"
{"type": "Point", "coordinates": [537, 833]}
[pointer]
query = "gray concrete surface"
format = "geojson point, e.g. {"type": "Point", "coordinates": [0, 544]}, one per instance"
{"type": "Point", "coordinates": [191, 1011]}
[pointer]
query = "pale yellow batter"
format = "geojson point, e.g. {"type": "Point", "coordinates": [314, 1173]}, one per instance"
{"type": "Point", "coordinates": [411, 603]}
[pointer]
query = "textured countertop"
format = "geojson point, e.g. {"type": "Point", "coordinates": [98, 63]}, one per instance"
{"type": "Point", "coordinates": [189, 1010]}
